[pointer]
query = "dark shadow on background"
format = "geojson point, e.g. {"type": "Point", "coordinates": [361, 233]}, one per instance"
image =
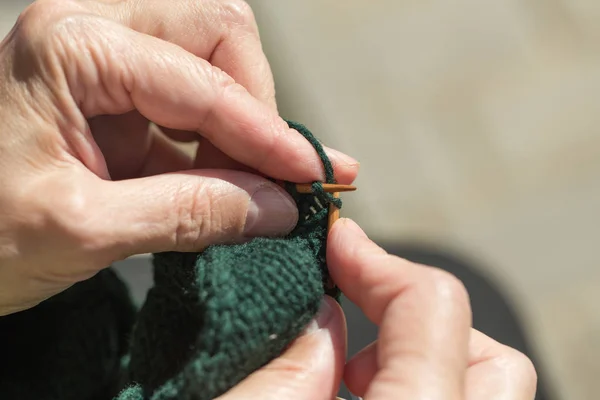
{"type": "Point", "coordinates": [493, 313]}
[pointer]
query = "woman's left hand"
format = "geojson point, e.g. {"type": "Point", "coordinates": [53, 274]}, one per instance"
{"type": "Point", "coordinates": [84, 179]}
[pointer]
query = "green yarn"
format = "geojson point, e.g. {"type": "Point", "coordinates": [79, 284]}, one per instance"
{"type": "Point", "coordinates": [210, 320]}
{"type": "Point", "coordinates": [132, 393]}
{"type": "Point", "coordinates": [231, 308]}
{"type": "Point", "coordinates": [244, 306]}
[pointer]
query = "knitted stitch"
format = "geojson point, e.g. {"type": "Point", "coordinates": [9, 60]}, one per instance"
{"type": "Point", "coordinates": [210, 320]}
{"type": "Point", "coordinates": [232, 308]}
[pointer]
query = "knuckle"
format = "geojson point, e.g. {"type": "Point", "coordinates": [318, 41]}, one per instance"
{"type": "Point", "coordinates": [448, 287]}
{"type": "Point", "coordinates": [47, 34]}
{"type": "Point", "coordinates": [209, 212]}
{"type": "Point", "coordinates": [193, 217]}
{"type": "Point", "coordinates": [70, 213]}
{"type": "Point", "coordinates": [62, 222]}
{"type": "Point", "coordinates": [237, 13]}
{"type": "Point", "coordinates": [38, 22]}
{"type": "Point", "coordinates": [270, 145]}
{"type": "Point", "coordinates": [221, 79]}
{"type": "Point", "coordinates": [39, 10]}
{"type": "Point", "coordinates": [73, 219]}
{"type": "Point", "coordinates": [221, 85]}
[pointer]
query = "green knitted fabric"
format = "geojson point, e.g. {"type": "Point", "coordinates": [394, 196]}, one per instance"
{"type": "Point", "coordinates": [230, 309]}
{"type": "Point", "coordinates": [70, 346]}
{"type": "Point", "coordinates": [210, 320]}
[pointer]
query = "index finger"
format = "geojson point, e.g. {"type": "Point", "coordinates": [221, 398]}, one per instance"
{"type": "Point", "coordinates": [224, 33]}
{"type": "Point", "coordinates": [228, 38]}
{"type": "Point", "coordinates": [176, 89]}
{"type": "Point", "coordinates": [423, 315]}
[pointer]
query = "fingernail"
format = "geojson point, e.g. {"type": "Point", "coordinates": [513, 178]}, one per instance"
{"type": "Point", "coordinates": [271, 212]}
{"type": "Point", "coordinates": [322, 318]}
{"type": "Point", "coordinates": [339, 158]}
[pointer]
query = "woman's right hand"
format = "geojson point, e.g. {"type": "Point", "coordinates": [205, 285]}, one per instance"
{"type": "Point", "coordinates": [426, 347]}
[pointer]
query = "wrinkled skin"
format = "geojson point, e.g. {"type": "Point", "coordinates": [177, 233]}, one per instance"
{"type": "Point", "coordinates": [87, 180]}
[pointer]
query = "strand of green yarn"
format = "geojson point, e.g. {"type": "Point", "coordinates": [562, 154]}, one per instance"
{"type": "Point", "coordinates": [215, 317]}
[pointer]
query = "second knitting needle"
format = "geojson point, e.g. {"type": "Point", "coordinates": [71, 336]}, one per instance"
{"type": "Point", "coordinates": [334, 215]}
{"type": "Point", "coordinates": [334, 212]}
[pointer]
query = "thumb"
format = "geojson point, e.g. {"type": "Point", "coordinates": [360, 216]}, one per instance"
{"type": "Point", "coordinates": [188, 211]}
{"type": "Point", "coordinates": [310, 369]}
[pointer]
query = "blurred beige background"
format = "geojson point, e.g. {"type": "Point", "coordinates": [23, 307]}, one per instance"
{"type": "Point", "coordinates": [476, 123]}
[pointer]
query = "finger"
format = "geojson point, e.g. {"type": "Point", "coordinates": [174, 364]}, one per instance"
{"type": "Point", "coordinates": [132, 147]}
{"type": "Point", "coordinates": [345, 167]}
{"type": "Point", "coordinates": [173, 88]}
{"type": "Point", "coordinates": [361, 369]}
{"type": "Point", "coordinates": [423, 315]}
{"type": "Point", "coordinates": [310, 369]}
{"type": "Point", "coordinates": [498, 372]}
{"type": "Point", "coordinates": [222, 32]}
{"type": "Point", "coordinates": [183, 212]}
{"type": "Point", "coordinates": [209, 156]}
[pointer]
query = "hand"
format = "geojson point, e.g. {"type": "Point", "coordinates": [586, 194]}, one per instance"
{"type": "Point", "coordinates": [426, 347]}
{"type": "Point", "coordinates": [86, 180]}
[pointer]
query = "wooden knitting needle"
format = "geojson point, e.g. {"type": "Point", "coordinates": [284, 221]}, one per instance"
{"type": "Point", "coordinates": [327, 187]}
{"type": "Point", "coordinates": [334, 212]}
{"type": "Point", "coordinates": [306, 188]}
{"type": "Point", "coordinates": [334, 215]}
